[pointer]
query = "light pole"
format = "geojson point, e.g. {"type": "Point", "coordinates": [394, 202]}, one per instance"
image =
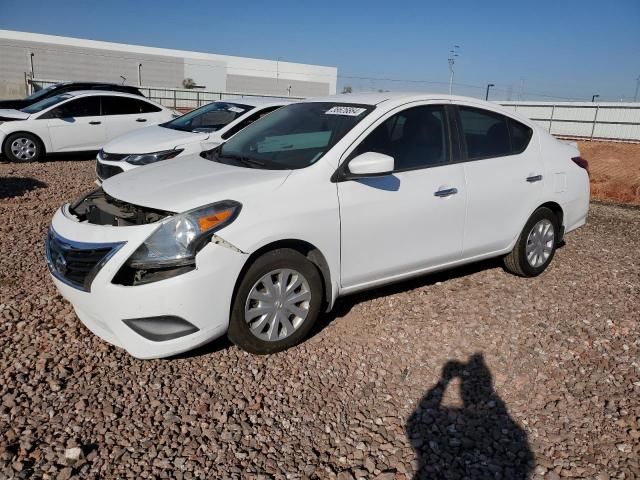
{"type": "Point", "coordinates": [489, 85]}
{"type": "Point", "coordinates": [593, 98]}
{"type": "Point", "coordinates": [452, 60]}
{"type": "Point", "coordinates": [635, 95]}
{"type": "Point", "coordinates": [278, 73]}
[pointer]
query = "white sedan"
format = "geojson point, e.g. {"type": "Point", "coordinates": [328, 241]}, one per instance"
{"type": "Point", "coordinates": [74, 121]}
{"type": "Point", "coordinates": [318, 199]}
{"type": "Point", "coordinates": [200, 129]}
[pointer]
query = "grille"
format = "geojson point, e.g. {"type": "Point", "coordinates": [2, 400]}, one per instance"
{"type": "Point", "coordinates": [114, 157]}
{"type": "Point", "coordinates": [107, 171]}
{"type": "Point", "coordinates": [76, 263]}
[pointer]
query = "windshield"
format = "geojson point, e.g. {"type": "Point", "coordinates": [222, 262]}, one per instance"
{"type": "Point", "coordinates": [209, 118]}
{"type": "Point", "coordinates": [46, 103]}
{"type": "Point", "coordinates": [41, 93]}
{"type": "Point", "coordinates": [294, 136]}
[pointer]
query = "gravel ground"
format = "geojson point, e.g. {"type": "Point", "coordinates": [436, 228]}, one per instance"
{"type": "Point", "coordinates": [472, 373]}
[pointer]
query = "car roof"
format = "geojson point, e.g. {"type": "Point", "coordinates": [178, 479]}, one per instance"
{"type": "Point", "coordinates": [83, 93]}
{"type": "Point", "coordinates": [376, 98]}
{"type": "Point", "coordinates": [394, 99]}
{"type": "Point", "coordinates": [258, 101]}
{"type": "Point", "coordinates": [83, 82]}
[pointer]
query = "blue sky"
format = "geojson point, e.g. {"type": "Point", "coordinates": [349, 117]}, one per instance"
{"type": "Point", "coordinates": [564, 48]}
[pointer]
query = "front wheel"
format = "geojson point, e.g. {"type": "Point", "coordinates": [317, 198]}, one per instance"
{"type": "Point", "coordinates": [277, 302]}
{"type": "Point", "coordinates": [23, 148]}
{"type": "Point", "coordinates": [536, 245]}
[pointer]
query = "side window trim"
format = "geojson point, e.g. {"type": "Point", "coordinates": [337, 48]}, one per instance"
{"type": "Point", "coordinates": [341, 171]}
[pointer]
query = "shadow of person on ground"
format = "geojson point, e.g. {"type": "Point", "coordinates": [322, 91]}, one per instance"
{"type": "Point", "coordinates": [17, 186]}
{"type": "Point", "coordinates": [475, 440]}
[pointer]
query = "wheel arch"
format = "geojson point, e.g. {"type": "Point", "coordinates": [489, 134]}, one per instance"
{"type": "Point", "coordinates": [17, 132]}
{"type": "Point", "coordinates": [556, 209]}
{"type": "Point", "coordinates": [310, 251]}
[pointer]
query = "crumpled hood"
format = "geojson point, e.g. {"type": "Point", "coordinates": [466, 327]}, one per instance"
{"type": "Point", "coordinates": [10, 113]}
{"type": "Point", "coordinates": [152, 139]}
{"type": "Point", "coordinates": [188, 182]}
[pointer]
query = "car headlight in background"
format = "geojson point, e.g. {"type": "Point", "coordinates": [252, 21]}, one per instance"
{"type": "Point", "coordinates": [178, 239]}
{"type": "Point", "coordinates": [147, 158]}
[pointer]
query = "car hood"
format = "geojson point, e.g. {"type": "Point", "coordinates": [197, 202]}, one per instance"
{"type": "Point", "coordinates": [189, 182]}
{"type": "Point", "coordinates": [152, 139]}
{"type": "Point", "coordinates": [14, 114]}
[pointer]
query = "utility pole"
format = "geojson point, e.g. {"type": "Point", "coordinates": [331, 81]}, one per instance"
{"type": "Point", "coordinates": [278, 73]}
{"type": "Point", "coordinates": [521, 89]}
{"type": "Point", "coordinates": [452, 60]}
{"type": "Point", "coordinates": [635, 95]}
{"type": "Point", "coordinates": [489, 85]}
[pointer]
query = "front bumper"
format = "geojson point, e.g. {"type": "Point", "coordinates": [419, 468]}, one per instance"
{"type": "Point", "coordinates": [202, 296]}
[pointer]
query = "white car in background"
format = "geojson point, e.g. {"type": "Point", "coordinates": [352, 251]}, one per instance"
{"type": "Point", "coordinates": [75, 121]}
{"type": "Point", "coordinates": [321, 198]}
{"type": "Point", "coordinates": [198, 130]}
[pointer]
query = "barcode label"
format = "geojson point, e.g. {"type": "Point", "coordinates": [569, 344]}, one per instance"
{"type": "Point", "coordinates": [350, 111]}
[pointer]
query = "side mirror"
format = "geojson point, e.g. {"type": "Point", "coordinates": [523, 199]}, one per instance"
{"type": "Point", "coordinates": [370, 164]}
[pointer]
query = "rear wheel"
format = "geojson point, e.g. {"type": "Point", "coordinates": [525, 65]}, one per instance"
{"type": "Point", "coordinates": [536, 245]}
{"type": "Point", "coordinates": [23, 148]}
{"type": "Point", "coordinates": [277, 302]}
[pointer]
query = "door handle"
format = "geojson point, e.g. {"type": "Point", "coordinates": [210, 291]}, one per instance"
{"type": "Point", "coordinates": [95, 122]}
{"type": "Point", "coordinates": [445, 192]}
{"type": "Point", "coordinates": [141, 119]}
{"type": "Point", "coordinates": [534, 178]}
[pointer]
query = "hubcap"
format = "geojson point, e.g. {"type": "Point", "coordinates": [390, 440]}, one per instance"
{"type": "Point", "coordinates": [540, 243]}
{"type": "Point", "coordinates": [277, 304]}
{"type": "Point", "coordinates": [23, 148]}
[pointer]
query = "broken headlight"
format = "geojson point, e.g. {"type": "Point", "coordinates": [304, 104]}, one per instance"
{"type": "Point", "coordinates": [177, 240]}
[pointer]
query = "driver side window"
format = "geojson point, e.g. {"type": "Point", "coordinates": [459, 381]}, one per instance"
{"type": "Point", "coordinates": [416, 138]}
{"type": "Point", "coordinates": [80, 107]}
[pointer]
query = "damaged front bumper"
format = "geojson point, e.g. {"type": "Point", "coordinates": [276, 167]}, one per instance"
{"type": "Point", "coordinates": [151, 320]}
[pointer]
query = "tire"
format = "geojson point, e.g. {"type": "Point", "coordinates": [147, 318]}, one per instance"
{"type": "Point", "coordinates": [23, 148]}
{"type": "Point", "coordinates": [269, 332]}
{"type": "Point", "coordinates": [518, 261]}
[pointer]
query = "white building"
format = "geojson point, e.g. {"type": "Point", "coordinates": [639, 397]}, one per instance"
{"type": "Point", "coordinates": [48, 57]}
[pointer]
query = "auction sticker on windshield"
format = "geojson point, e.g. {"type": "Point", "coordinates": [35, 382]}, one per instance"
{"type": "Point", "coordinates": [350, 111]}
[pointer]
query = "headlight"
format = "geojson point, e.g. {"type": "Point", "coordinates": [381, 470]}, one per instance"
{"type": "Point", "coordinates": [179, 238]}
{"type": "Point", "coordinates": [146, 158]}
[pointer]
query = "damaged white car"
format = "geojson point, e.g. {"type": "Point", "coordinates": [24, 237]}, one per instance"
{"type": "Point", "coordinates": [318, 199]}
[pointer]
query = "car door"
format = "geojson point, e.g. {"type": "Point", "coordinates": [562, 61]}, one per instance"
{"type": "Point", "coordinates": [409, 221]}
{"type": "Point", "coordinates": [76, 125]}
{"type": "Point", "coordinates": [124, 114]}
{"type": "Point", "coordinates": [504, 176]}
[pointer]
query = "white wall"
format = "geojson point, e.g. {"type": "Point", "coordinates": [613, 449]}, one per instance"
{"type": "Point", "coordinates": [611, 120]}
{"type": "Point", "coordinates": [66, 58]}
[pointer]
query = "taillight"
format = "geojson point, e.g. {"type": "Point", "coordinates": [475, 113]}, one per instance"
{"type": "Point", "coordinates": [581, 162]}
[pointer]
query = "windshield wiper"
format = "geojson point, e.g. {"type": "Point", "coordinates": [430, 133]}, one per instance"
{"type": "Point", "coordinates": [247, 161]}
